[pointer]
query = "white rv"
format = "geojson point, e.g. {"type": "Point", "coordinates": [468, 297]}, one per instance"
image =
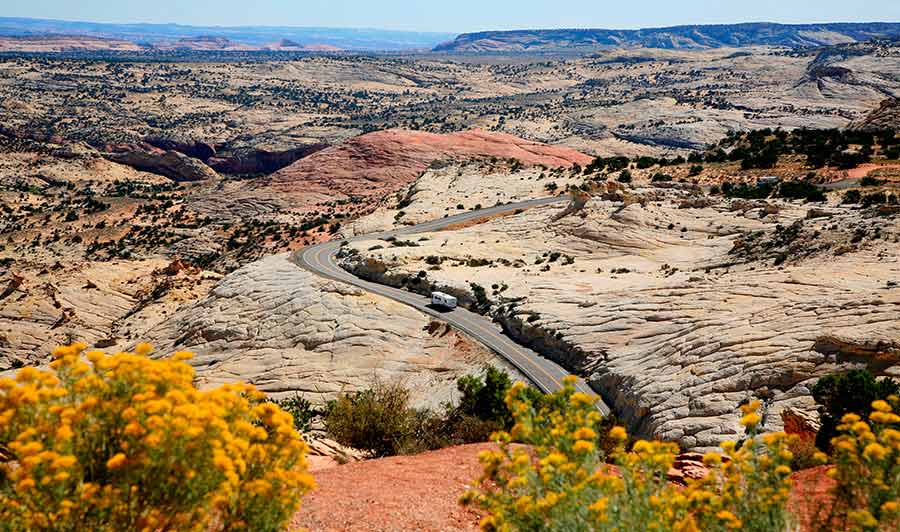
{"type": "Point", "coordinates": [440, 299]}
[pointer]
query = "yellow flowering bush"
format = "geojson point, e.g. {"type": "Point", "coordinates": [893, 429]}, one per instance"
{"type": "Point", "coordinates": [124, 442]}
{"type": "Point", "coordinates": [559, 480]}
{"type": "Point", "coordinates": [866, 456]}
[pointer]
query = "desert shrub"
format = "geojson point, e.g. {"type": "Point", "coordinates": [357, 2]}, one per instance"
{"type": "Point", "coordinates": [867, 468]}
{"type": "Point", "coordinates": [485, 398]}
{"type": "Point", "coordinates": [765, 157]}
{"type": "Point", "coordinates": [745, 191]}
{"type": "Point", "coordinates": [625, 177]}
{"type": "Point", "coordinates": [695, 170]}
{"type": "Point", "coordinates": [851, 197]}
{"type": "Point", "coordinates": [660, 177]}
{"type": "Point", "coordinates": [869, 181]}
{"type": "Point", "coordinates": [805, 452]}
{"type": "Point", "coordinates": [377, 420]}
{"type": "Point", "coordinates": [301, 409]}
{"type": "Point", "coordinates": [381, 422]}
{"type": "Point", "coordinates": [892, 153]}
{"type": "Point", "coordinates": [124, 442]}
{"type": "Point", "coordinates": [878, 198]}
{"type": "Point", "coordinates": [800, 190]}
{"type": "Point", "coordinates": [561, 482]}
{"type": "Point", "coordinates": [482, 302]}
{"type": "Point", "coordinates": [847, 393]}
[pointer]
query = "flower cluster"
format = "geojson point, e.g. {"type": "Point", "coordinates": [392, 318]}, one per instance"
{"type": "Point", "coordinates": [866, 456]}
{"type": "Point", "coordinates": [560, 481]}
{"type": "Point", "coordinates": [125, 442]}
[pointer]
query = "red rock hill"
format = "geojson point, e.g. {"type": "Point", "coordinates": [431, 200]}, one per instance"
{"type": "Point", "coordinates": [384, 161]}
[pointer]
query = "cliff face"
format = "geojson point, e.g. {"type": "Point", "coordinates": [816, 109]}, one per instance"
{"type": "Point", "coordinates": [690, 37]}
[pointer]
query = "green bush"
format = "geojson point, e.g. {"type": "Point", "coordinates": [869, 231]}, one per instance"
{"type": "Point", "coordinates": [378, 420]}
{"type": "Point", "coordinates": [301, 409]}
{"type": "Point", "coordinates": [852, 197]}
{"type": "Point", "coordinates": [485, 399]}
{"type": "Point", "coordinates": [381, 422]}
{"type": "Point", "coordinates": [625, 177]}
{"type": "Point", "coordinates": [869, 181]}
{"type": "Point", "coordinates": [800, 190]}
{"type": "Point", "coordinates": [847, 393]}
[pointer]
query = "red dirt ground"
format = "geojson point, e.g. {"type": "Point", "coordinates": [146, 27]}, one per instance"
{"type": "Point", "coordinates": [865, 169]}
{"type": "Point", "coordinates": [395, 494]}
{"type": "Point", "coordinates": [421, 492]}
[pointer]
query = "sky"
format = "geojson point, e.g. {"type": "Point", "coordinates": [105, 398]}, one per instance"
{"type": "Point", "coordinates": [456, 16]}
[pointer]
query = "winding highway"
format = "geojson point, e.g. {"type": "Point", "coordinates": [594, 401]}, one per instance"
{"type": "Point", "coordinates": [545, 374]}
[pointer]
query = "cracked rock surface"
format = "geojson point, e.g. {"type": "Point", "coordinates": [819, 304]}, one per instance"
{"type": "Point", "coordinates": [676, 309]}
{"type": "Point", "coordinates": [285, 330]}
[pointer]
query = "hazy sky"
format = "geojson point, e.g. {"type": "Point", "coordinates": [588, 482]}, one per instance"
{"type": "Point", "coordinates": [456, 15]}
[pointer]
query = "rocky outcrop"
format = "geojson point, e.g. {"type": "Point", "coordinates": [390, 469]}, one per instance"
{"type": "Point", "coordinates": [866, 344]}
{"type": "Point", "coordinates": [64, 43]}
{"type": "Point", "coordinates": [171, 164]}
{"type": "Point", "coordinates": [384, 161]}
{"type": "Point", "coordinates": [285, 330]}
{"type": "Point", "coordinates": [887, 116]}
{"type": "Point", "coordinates": [101, 303]}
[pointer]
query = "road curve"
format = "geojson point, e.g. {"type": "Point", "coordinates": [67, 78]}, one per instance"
{"type": "Point", "coordinates": [543, 373]}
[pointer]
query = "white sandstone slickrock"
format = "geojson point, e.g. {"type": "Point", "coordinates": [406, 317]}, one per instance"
{"type": "Point", "coordinates": [677, 314]}
{"type": "Point", "coordinates": [286, 330]}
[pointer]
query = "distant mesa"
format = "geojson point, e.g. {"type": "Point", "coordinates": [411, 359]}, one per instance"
{"type": "Point", "coordinates": [208, 42]}
{"type": "Point", "coordinates": [64, 43]}
{"type": "Point", "coordinates": [676, 37]}
{"type": "Point", "coordinates": [287, 45]}
{"type": "Point", "coordinates": [167, 37]}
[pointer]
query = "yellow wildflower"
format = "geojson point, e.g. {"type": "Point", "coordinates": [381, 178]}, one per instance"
{"type": "Point", "coordinates": [117, 461]}
{"type": "Point", "coordinates": [583, 447]}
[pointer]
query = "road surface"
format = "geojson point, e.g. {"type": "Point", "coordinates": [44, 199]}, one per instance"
{"type": "Point", "coordinates": [545, 374]}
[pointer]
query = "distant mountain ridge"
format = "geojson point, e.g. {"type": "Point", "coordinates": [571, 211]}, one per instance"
{"type": "Point", "coordinates": [249, 37]}
{"type": "Point", "coordinates": [675, 37]}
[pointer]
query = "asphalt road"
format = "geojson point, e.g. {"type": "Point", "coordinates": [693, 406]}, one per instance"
{"type": "Point", "coordinates": [545, 374]}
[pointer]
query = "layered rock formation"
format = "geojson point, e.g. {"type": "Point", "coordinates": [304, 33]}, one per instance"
{"type": "Point", "coordinates": [887, 116]}
{"type": "Point", "coordinates": [384, 161]}
{"type": "Point", "coordinates": [471, 185]}
{"type": "Point", "coordinates": [42, 164]}
{"type": "Point", "coordinates": [105, 304]}
{"type": "Point", "coordinates": [676, 310]}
